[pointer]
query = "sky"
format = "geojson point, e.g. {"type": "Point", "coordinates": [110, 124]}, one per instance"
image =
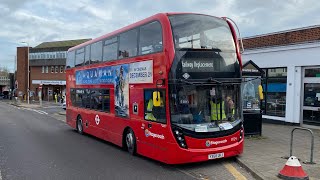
{"type": "Point", "coordinates": [40, 21]}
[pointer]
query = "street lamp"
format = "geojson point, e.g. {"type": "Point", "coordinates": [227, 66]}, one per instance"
{"type": "Point", "coordinates": [28, 90]}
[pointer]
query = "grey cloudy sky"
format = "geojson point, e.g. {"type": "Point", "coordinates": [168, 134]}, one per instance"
{"type": "Point", "coordinates": [40, 21]}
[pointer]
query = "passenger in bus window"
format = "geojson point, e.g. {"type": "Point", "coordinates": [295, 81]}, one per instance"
{"type": "Point", "coordinates": [229, 108]}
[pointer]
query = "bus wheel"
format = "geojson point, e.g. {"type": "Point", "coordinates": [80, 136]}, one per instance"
{"type": "Point", "coordinates": [131, 142]}
{"type": "Point", "coordinates": [79, 125]}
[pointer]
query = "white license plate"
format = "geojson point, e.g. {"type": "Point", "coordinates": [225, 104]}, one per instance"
{"type": "Point", "coordinates": [216, 156]}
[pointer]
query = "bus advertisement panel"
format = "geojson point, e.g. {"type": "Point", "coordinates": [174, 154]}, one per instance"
{"type": "Point", "coordinates": [167, 87]}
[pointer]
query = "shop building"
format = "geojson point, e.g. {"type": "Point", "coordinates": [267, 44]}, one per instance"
{"type": "Point", "coordinates": [4, 84]}
{"type": "Point", "coordinates": [47, 69]}
{"type": "Point", "coordinates": [291, 63]}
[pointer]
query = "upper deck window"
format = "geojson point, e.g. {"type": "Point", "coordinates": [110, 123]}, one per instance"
{"type": "Point", "coordinates": [79, 57]}
{"type": "Point", "coordinates": [128, 44]}
{"type": "Point", "coordinates": [203, 44]}
{"type": "Point", "coordinates": [87, 55]}
{"type": "Point", "coordinates": [70, 59]}
{"type": "Point", "coordinates": [110, 49]}
{"type": "Point", "coordinates": [150, 38]}
{"type": "Point", "coordinates": [201, 31]}
{"type": "Point", "coordinates": [96, 52]}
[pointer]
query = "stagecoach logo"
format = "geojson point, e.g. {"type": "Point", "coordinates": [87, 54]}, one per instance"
{"type": "Point", "coordinates": [209, 143]}
{"type": "Point", "coordinates": [149, 133]}
{"type": "Point", "coordinates": [186, 75]}
{"type": "Point", "coordinates": [97, 119]}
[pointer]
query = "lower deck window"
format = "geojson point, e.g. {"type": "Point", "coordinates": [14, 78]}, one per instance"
{"type": "Point", "coordinates": [95, 99]}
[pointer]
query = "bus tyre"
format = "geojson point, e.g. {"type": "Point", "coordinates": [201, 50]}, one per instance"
{"type": "Point", "coordinates": [79, 125]}
{"type": "Point", "coordinates": [131, 142]}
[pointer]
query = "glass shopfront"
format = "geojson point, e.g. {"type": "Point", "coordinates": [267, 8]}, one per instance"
{"type": "Point", "coordinates": [275, 87]}
{"type": "Point", "coordinates": [311, 96]}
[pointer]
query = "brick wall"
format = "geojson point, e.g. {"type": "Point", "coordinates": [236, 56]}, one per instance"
{"type": "Point", "coordinates": [22, 69]}
{"type": "Point", "coordinates": [283, 38]}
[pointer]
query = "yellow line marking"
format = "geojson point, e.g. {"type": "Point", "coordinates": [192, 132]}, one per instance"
{"type": "Point", "coordinates": [235, 173]}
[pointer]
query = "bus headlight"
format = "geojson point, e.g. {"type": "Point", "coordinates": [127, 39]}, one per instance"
{"type": "Point", "coordinates": [241, 134]}
{"type": "Point", "coordinates": [180, 138]}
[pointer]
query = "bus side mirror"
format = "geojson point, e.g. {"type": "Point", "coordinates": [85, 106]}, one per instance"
{"type": "Point", "coordinates": [260, 92]}
{"type": "Point", "coordinates": [156, 98]}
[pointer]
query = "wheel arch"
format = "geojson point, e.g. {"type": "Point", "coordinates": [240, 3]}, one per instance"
{"type": "Point", "coordinates": [125, 130]}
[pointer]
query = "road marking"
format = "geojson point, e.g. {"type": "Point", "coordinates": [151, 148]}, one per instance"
{"type": "Point", "coordinates": [0, 175]}
{"type": "Point", "coordinates": [52, 107]}
{"type": "Point", "coordinates": [37, 111]}
{"type": "Point", "coordinates": [235, 173]}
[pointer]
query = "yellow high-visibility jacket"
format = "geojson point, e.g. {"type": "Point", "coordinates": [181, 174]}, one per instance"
{"type": "Point", "coordinates": [215, 111]}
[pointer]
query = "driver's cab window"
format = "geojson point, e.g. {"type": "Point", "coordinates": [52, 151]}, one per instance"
{"type": "Point", "coordinates": [154, 105]}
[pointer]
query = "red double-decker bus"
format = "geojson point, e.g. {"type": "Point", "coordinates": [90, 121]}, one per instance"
{"type": "Point", "coordinates": [166, 87]}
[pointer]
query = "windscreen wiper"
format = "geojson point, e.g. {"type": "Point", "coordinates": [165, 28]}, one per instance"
{"type": "Point", "coordinates": [187, 82]}
{"type": "Point", "coordinates": [210, 79]}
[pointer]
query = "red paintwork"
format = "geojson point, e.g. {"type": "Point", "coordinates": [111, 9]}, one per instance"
{"type": "Point", "coordinates": [235, 39]}
{"type": "Point", "coordinates": [111, 128]}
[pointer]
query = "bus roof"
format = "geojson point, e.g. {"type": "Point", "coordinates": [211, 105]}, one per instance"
{"type": "Point", "coordinates": [131, 26]}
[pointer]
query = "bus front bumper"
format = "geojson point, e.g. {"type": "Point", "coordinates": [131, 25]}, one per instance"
{"type": "Point", "coordinates": [178, 155]}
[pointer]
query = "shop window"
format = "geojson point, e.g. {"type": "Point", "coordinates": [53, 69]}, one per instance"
{"type": "Point", "coordinates": [52, 69]}
{"type": "Point", "coordinates": [311, 95]}
{"type": "Point", "coordinates": [154, 111]}
{"type": "Point", "coordinates": [312, 72]}
{"type": "Point", "coordinates": [275, 87]}
{"type": "Point", "coordinates": [43, 69]}
{"type": "Point", "coordinates": [56, 69]}
{"type": "Point", "coordinates": [61, 69]}
{"type": "Point", "coordinates": [47, 69]}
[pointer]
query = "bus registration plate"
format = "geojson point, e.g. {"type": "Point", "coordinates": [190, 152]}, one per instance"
{"type": "Point", "coordinates": [216, 156]}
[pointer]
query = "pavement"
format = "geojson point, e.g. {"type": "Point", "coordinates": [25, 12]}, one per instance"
{"type": "Point", "coordinates": [264, 156]}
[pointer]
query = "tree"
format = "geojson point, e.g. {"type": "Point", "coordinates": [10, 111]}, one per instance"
{"type": "Point", "coordinates": [4, 71]}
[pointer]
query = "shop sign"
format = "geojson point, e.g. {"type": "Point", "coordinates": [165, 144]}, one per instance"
{"type": "Point", "coordinates": [47, 82]}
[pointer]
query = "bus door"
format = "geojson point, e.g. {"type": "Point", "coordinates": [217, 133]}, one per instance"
{"type": "Point", "coordinates": [154, 125]}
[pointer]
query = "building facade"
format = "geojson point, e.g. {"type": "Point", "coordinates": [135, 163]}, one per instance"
{"type": "Point", "coordinates": [46, 63]}
{"type": "Point", "coordinates": [291, 62]}
{"type": "Point", "coordinates": [4, 83]}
